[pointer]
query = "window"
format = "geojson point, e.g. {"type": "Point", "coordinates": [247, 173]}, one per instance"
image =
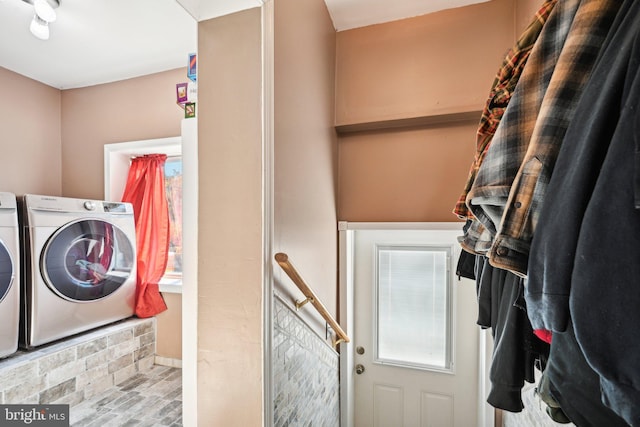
{"type": "Point", "coordinates": [117, 159]}
{"type": "Point", "coordinates": [173, 187]}
{"type": "Point", "coordinates": [413, 301]}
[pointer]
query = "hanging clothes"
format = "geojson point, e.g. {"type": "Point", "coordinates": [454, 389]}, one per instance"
{"type": "Point", "coordinates": [500, 293]}
{"type": "Point", "coordinates": [145, 190]}
{"type": "Point", "coordinates": [590, 26]}
{"type": "Point", "coordinates": [553, 249]}
{"type": "Point", "coordinates": [501, 91]}
{"type": "Point", "coordinates": [585, 45]}
{"type": "Point", "coordinates": [491, 187]}
{"type": "Point", "coordinates": [516, 350]}
{"type": "Point", "coordinates": [597, 252]}
{"type": "Point", "coordinates": [575, 386]}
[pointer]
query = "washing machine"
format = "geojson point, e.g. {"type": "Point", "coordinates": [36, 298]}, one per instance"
{"type": "Point", "coordinates": [9, 274]}
{"type": "Point", "coordinates": [80, 266]}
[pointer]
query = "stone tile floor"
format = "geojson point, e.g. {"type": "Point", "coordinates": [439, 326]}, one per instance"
{"type": "Point", "coordinates": [149, 398]}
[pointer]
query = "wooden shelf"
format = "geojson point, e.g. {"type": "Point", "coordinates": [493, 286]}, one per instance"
{"type": "Point", "coordinates": [424, 121]}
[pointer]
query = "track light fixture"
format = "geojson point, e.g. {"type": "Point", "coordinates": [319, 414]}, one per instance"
{"type": "Point", "coordinates": [44, 10]}
{"type": "Point", "coordinates": [44, 14]}
{"type": "Point", "coordinates": [39, 28]}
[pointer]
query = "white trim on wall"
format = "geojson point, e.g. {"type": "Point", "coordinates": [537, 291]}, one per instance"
{"type": "Point", "coordinates": [190, 273]}
{"type": "Point", "coordinates": [117, 158]}
{"type": "Point", "coordinates": [346, 303]}
{"type": "Point", "coordinates": [486, 413]}
{"type": "Point", "coordinates": [167, 361]}
{"type": "Point", "coordinates": [267, 206]}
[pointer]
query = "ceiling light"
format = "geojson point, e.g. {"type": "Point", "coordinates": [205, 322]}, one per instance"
{"type": "Point", "coordinates": [44, 14]}
{"type": "Point", "coordinates": [39, 28]}
{"type": "Point", "coordinates": [44, 10]}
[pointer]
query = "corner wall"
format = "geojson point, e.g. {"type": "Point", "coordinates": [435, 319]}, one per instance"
{"type": "Point", "coordinates": [230, 220]}
{"type": "Point", "coordinates": [305, 152]}
{"type": "Point", "coordinates": [409, 99]}
{"type": "Point", "coordinates": [434, 64]}
{"type": "Point", "coordinates": [31, 142]}
{"type": "Point", "coordinates": [304, 367]}
{"type": "Point", "coordinates": [129, 110]}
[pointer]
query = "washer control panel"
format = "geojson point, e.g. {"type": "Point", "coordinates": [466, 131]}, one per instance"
{"type": "Point", "coordinates": [70, 205]}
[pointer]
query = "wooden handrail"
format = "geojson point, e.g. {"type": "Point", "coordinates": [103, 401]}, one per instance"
{"type": "Point", "coordinates": [283, 260]}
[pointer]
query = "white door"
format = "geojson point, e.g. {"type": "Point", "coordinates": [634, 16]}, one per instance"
{"type": "Point", "coordinates": [415, 333]}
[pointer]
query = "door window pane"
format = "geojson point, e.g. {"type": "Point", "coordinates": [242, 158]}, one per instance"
{"type": "Point", "coordinates": [413, 306]}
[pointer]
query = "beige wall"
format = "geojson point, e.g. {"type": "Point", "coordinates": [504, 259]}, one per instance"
{"type": "Point", "coordinates": [169, 328]}
{"type": "Point", "coordinates": [426, 70]}
{"type": "Point", "coordinates": [129, 110]}
{"type": "Point", "coordinates": [230, 220]}
{"type": "Point", "coordinates": [31, 136]}
{"type": "Point", "coordinates": [434, 64]}
{"type": "Point", "coordinates": [408, 175]}
{"type": "Point", "coordinates": [305, 153]}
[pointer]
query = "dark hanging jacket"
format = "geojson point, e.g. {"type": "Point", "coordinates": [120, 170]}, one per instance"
{"type": "Point", "coordinates": [585, 256]}
{"type": "Point", "coordinates": [516, 349]}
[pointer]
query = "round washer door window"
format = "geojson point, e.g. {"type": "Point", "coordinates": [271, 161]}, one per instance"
{"type": "Point", "coordinates": [6, 271]}
{"type": "Point", "coordinates": [87, 260]}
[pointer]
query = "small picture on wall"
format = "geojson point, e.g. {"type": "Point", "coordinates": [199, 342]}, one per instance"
{"type": "Point", "coordinates": [181, 92]}
{"type": "Point", "coordinates": [192, 71]}
{"type": "Point", "coordinates": [189, 110]}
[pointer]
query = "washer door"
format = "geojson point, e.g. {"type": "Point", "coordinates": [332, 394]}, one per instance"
{"type": "Point", "coordinates": [87, 260]}
{"type": "Point", "coordinates": [6, 271]}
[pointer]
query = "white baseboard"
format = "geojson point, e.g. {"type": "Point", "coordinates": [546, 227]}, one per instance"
{"type": "Point", "coordinates": [168, 361]}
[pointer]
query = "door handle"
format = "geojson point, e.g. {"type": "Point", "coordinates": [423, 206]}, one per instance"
{"type": "Point", "coordinates": [359, 369]}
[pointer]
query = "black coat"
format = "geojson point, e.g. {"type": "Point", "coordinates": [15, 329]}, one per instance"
{"type": "Point", "coordinates": [584, 264]}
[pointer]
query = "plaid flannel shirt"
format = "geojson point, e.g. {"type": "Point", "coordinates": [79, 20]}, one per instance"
{"type": "Point", "coordinates": [490, 190]}
{"type": "Point", "coordinates": [500, 95]}
{"type": "Point", "coordinates": [510, 248]}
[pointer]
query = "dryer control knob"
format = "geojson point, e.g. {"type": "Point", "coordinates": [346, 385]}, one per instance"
{"type": "Point", "coordinates": [88, 205]}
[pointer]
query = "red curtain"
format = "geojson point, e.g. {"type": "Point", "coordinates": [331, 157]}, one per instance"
{"type": "Point", "coordinates": [146, 192]}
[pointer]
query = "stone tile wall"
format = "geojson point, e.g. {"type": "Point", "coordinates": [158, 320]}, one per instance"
{"type": "Point", "coordinates": [72, 370]}
{"type": "Point", "coordinates": [305, 373]}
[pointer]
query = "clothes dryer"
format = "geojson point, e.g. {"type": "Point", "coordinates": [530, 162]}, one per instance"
{"type": "Point", "coordinates": [9, 274]}
{"type": "Point", "coordinates": [80, 258]}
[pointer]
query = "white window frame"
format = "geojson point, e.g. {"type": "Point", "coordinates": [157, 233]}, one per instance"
{"type": "Point", "coordinates": [117, 158]}
{"type": "Point", "coordinates": [449, 316]}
